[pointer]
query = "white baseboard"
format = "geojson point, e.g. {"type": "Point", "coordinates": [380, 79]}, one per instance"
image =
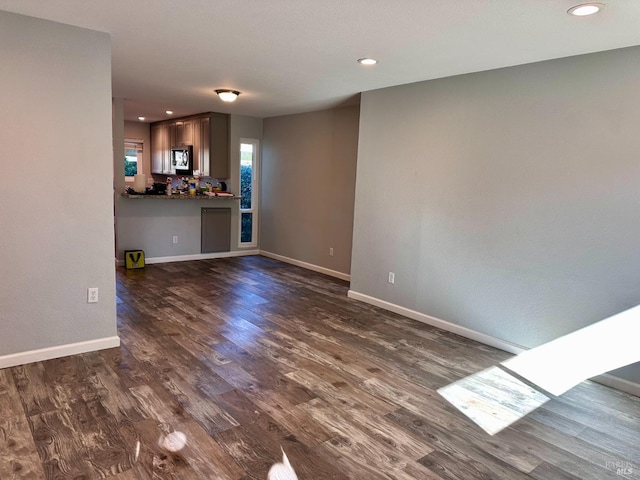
{"type": "Point", "coordinates": [436, 322]}
{"type": "Point", "coordinates": [49, 353]}
{"type": "Point", "coordinates": [618, 383]}
{"type": "Point", "coordinates": [308, 266]}
{"type": "Point", "coordinates": [195, 256]}
{"type": "Point", "coordinates": [606, 379]}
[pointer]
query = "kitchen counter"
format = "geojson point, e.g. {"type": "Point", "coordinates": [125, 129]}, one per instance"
{"type": "Point", "coordinates": [180, 197]}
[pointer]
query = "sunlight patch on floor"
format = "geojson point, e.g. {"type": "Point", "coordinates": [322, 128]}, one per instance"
{"type": "Point", "coordinates": [492, 398]}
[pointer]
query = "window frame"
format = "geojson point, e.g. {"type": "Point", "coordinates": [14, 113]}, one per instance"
{"type": "Point", "coordinates": [255, 194]}
{"type": "Point", "coordinates": [140, 156]}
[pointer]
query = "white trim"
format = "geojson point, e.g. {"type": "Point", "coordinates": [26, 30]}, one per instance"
{"type": "Point", "coordinates": [255, 193]}
{"type": "Point", "coordinates": [606, 379]}
{"type": "Point", "coordinates": [49, 353]}
{"type": "Point", "coordinates": [195, 256]}
{"type": "Point", "coordinates": [308, 266]}
{"type": "Point", "coordinates": [436, 322]}
{"type": "Point", "coordinates": [618, 383]}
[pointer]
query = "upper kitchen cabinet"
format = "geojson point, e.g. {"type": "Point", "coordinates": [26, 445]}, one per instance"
{"type": "Point", "coordinates": [207, 132]}
{"type": "Point", "coordinates": [162, 137]}
{"type": "Point", "coordinates": [219, 145]}
{"type": "Point", "coordinates": [184, 133]}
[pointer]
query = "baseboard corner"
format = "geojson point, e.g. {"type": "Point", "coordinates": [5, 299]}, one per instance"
{"type": "Point", "coordinates": [308, 266]}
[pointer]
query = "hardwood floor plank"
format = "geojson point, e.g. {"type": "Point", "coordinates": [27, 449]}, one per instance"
{"type": "Point", "coordinates": [361, 460]}
{"type": "Point", "coordinates": [617, 450]}
{"type": "Point", "coordinates": [557, 422]}
{"type": "Point", "coordinates": [130, 372]}
{"type": "Point", "coordinates": [254, 456]}
{"type": "Point", "coordinates": [343, 395]}
{"type": "Point", "coordinates": [613, 425]}
{"type": "Point", "coordinates": [36, 395]}
{"type": "Point", "coordinates": [452, 456]}
{"type": "Point", "coordinates": [60, 448]}
{"type": "Point", "coordinates": [269, 432]}
{"type": "Point", "coordinates": [151, 460]}
{"type": "Point", "coordinates": [292, 417]}
{"type": "Point", "coordinates": [599, 456]}
{"type": "Point", "coordinates": [19, 458]}
{"type": "Point", "coordinates": [545, 471]}
{"type": "Point", "coordinates": [99, 435]}
{"type": "Point", "coordinates": [10, 405]}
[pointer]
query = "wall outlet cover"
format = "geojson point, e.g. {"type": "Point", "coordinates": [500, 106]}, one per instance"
{"type": "Point", "coordinates": [92, 295]}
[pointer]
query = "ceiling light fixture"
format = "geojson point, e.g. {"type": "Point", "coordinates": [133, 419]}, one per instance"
{"type": "Point", "coordinates": [141, 119]}
{"type": "Point", "coordinates": [585, 9]}
{"type": "Point", "coordinates": [169, 112]}
{"type": "Point", "coordinates": [227, 95]}
{"type": "Point", "coordinates": [367, 61]}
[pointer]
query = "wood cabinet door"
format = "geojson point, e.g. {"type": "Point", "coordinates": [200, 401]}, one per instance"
{"type": "Point", "coordinates": [157, 149]}
{"type": "Point", "coordinates": [219, 145]}
{"type": "Point", "coordinates": [172, 135]}
{"type": "Point", "coordinates": [205, 146]}
{"type": "Point", "coordinates": [183, 133]}
{"type": "Point", "coordinates": [187, 132]}
{"type": "Point", "coordinates": [169, 133]}
{"type": "Point", "coordinates": [179, 129]}
{"type": "Point", "coordinates": [198, 163]}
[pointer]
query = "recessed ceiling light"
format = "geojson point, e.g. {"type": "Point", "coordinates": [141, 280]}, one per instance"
{"type": "Point", "coordinates": [169, 112]}
{"type": "Point", "coordinates": [227, 95]}
{"type": "Point", "coordinates": [367, 61]}
{"type": "Point", "coordinates": [141, 119]}
{"type": "Point", "coordinates": [585, 9]}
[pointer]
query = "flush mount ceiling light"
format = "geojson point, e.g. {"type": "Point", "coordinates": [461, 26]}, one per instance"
{"type": "Point", "coordinates": [585, 9]}
{"type": "Point", "coordinates": [141, 119]}
{"type": "Point", "coordinates": [169, 112]}
{"type": "Point", "coordinates": [227, 95]}
{"type": "Point", "coordinates": [367, 61]}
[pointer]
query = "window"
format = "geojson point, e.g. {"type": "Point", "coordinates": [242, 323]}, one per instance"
{"type": "Point", "coordinates": [248, 190]}
{"type": "Point", "coordinates": [132, 157]}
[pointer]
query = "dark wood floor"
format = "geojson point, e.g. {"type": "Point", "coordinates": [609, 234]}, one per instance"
{"type": "Point", "coordinates": [238, 357]}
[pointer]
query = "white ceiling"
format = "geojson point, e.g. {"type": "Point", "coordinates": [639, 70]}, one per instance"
{"type": "Point", "coordinates": [289, 56]}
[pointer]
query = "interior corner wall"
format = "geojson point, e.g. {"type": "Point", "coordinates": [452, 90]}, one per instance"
{"type": "Point", "coordinates": [308, 186]}
{"type": "Point", "coordinates": [57, 203]}
{"type": "Point", "coordinates": [506, 201]}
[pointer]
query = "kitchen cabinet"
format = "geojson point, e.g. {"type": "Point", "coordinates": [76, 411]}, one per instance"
{"type": "Point", "coordinates": [205, 145]}
{"type": "Point", "coordinates": [207, 132]}
{"type": "Point", "coordinates": [157, 149]}
{"type": "Point", "coordinates": [183, 134]}
{"type": "Point", "coordinates": [218, 146]}
{"type": "Point", "coordinates": [197, 136]}
{"type": "Point", "coordinates": [211, 145]}
{"type": "Point", "coordinates": [162, 135]}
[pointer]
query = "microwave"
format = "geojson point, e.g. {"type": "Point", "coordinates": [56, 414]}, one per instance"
{"type": "Point", "coordinates": [182, 160]}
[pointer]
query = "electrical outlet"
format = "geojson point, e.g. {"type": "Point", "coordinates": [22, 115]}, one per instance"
{"type": "Point", "coordinates": [331, 252]}
{"type": "Point", "coordinates": [392, 277]}
{"type": "Point", "coordinates": [175, 239]}
{"type": "Point", "coordinates": [92, 295]}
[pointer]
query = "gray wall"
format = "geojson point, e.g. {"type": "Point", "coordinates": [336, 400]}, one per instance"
{"type": "Point", "coordinates": [150, 225]}
{"type": "Point", "coordinates": [505, 201]}
{"type": "Point", "coordinates": [57, 208]}
{"type": "Point", "coordinates": [307, 188]}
